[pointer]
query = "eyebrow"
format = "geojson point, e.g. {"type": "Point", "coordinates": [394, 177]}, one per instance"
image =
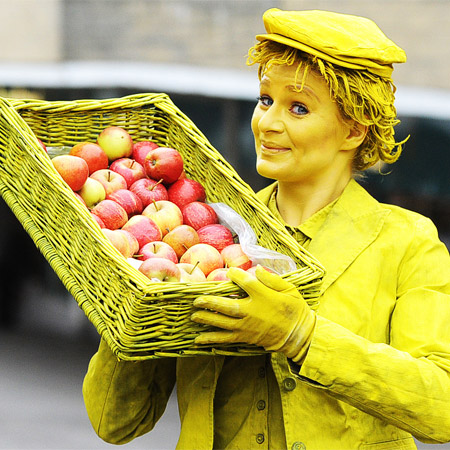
{"type": "Point", "coordinates": [306, 90]}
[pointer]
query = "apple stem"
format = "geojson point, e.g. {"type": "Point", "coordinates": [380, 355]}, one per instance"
{"type": "Point", "coordinates": [154, 186]}
{"type": "Point", "coordinates": [109, 176]}
{"type": "Point", "coordinates": [155, 205]}
{"type": "Point", "coordinates": [185, 246]}
{"type": "Point", "coordinates": [195, 265]}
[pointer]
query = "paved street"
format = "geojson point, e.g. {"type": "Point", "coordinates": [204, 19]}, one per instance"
{"type": "Point", "coordinates": [42, 364]}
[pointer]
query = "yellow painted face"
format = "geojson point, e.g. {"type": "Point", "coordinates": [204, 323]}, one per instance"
{"type": "Point", "coordinates": [300, 137]}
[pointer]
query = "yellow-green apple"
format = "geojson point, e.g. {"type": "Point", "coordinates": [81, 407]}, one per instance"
{"type": "Point", "coordinates": [92, 192]}
{"type": "Point", "coordinates": [123, 241]}
{"type": "Point", "coordinates": [130, 169]}
{"type": "Point", "coordinates": [218, 275]}
{"type": "Point", "coordinates": [111, 181]}
{"type": "Point", "coordinates": [160, 269]}
{"type": "Point", "coordinates": [191, 273]}
{"type": "Point", "coordinates": [92, 153]}
{"type": "Point", "coordinates": [181, 238]}
{"type": "Point", "coordinates": [206, 256]}
{"type": "Point", "coordinates": [128, 200]}
{"type": "Point", "coordinates": [165, 214]}
{"type": "Point", "coordinates": [217, 235]}
{"type": "Point", "coordinates": [73, 170]}
{"type": "Point", "coordinates": [157, 249]}
{"type": "Point", "coordinates": [149, 190]}
{"type": "Point", "coordinates": [98, 220]}
{"type": "Point", "coordinates": [116, 142]}
{"type": "Point", "coordinates": [164, 163]}
{"type": "Point", "coordinates": [186, 190]}
{"type": "Point", "coordinates": [111, 213]}
{"type": "Point", "coordinates": [198, 214]}
{"type": "Point", "coordinates": [234, 256]}
{"type": "Point", "coordinates": [141, 149]}
{"type": "Point", "coordinates": [143, 229]}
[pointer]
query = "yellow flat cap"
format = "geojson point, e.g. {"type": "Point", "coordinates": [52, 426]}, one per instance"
{"type": "Point", "coordinates": [346, 40]}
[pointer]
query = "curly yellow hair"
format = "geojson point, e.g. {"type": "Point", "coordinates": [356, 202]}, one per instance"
{"type": "Point", "coordinates": [364, 97]}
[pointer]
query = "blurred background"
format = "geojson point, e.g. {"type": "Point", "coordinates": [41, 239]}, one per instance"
{"type": "Point", "coordinates": [194, 50]}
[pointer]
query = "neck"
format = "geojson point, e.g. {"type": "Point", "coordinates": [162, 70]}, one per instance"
{"type": "Point", "coordinates": [298, 202]}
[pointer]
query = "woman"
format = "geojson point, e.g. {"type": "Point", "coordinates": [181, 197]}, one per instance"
{"type": "Point", "coordinates": [371, 368]}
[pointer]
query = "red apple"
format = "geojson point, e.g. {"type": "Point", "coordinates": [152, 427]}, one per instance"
{"type": "Point", "coordinates": [128, 200]}
{"type": "Point", "coordinates": [123, 241]}
{"type": "Point", "coordinates": [191, 273]}
{"type": "Point", "coordinates": [149, 190]}
{"type": "Point", "coordinates": [181, 238]}
{"type": "Point", "coordinates": [206, 256]}
{"type": "Point", "coordinates": [218, 275]}
{"type": "Point", "coordinates": [217, 235]}
{"type": "Point", "coordinates": [129, 169]}
{"type": "Point", "coordinates": [116, 142]}
{"type": "Point", "coordinates": [198, 214]}
{"type": "Point", "coordinates": [73, 170]}
{"type": "Point", "coordinates": [143, 229]}
{"type": "Point", "coordinates": [111, 181]}
{"type": "Point", "coordinates": [164, 163]}
{"type": "Point", "coordinates": [92, 153]}
{"type": "Point", "coordinates": [234, 256]}
{"type": "Point", "coordinates": [165, 214]}
{"type": "Point", "coordinates": [157, 249]}
{"type": "Point", "coordinates": [92, 192]}
{"type": "Point", "coordinates": [185, 191]}
{"type": "Point", "coordinates": [160, 269]}
{"type": "Point", "coordinates": [111, 213]}
{"type": "Point", "coordinates": [252, 269]}
{"type": "Point", "coordinates": [141, 149]}
{"type": "Point", "coordinates": [98, 220]}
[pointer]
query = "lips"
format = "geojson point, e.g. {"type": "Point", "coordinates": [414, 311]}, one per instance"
{"type": "Point", "coordinates": [270, 147]}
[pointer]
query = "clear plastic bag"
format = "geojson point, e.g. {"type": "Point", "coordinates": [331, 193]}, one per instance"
{"type": "Point", "coordinates": [271, 259]}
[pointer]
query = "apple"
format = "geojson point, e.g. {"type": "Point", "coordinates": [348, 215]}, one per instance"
{"type": "Point", "coordinates": [143, 229]}
{"type": "Point", "coordinates": [165, 214]}
{"type": "Point", "coordinates": [73, 170]}
{"type": "Point", "coordinates": [116, 142]}
{"type": "Point", "coordinates": [92, 192]}
{"type": "Point", "coordinates": [160, 269]}
{"type": "Point", "coordinates": [191, 273]}
{"type": "Point", "coordinates": [234, 256]}
{"type": "Point", "coordinates": [217, 235]}
{"type": "Point", "coordinates": [123, 241]}
{"type": "Point", "coordinates": [185, 191]}
{"type": "Point", "coordinates": [98, 220]}
{"type": "Point", "coordinates": [181, 238]}
{"type": "Point", "coordinates": [164, 163]}
{"type": "Point", "coordinates": [141, 149]}
{"type": "Point", "coordinates": [111, 181]}
{"type": "Point", "coordinates": [129, 169]}
{"type": "Point", "coordinates": [42, 145]}
{"type": "Point", "coordinates": [79, 197]}
{"type": "Point", "coordinates": [198, 214]}
{"type": "Point", "coordinates": [128, 200]}
{"type": "Point", "coordinates": [218, 275]}
{"type": "Point", "coordinates": [92, 153]}
{"type": "Point", "coordinates": [111, 213]}
{"type": "Point", "coordinates": [149, 190]}
{"type": "Point", "coordinates": [206, 256]}
{"type": "Point", "coordinates": [252, 270]}
{"type": "Point", "coordinates": [157, 249]}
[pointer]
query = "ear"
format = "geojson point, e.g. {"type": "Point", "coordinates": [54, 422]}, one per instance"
{"type": "Point", "coordinates": [356, 134]}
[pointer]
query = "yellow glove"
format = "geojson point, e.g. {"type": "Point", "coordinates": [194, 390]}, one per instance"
{"type": "Point", "coordinates": [273, 316]}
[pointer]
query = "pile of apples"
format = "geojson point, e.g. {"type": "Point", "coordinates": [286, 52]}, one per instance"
{"type": "Point", "coordinates": [151, 212]}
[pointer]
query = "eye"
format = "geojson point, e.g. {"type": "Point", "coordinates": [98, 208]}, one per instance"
{"type": "Point", "coordinates": [299, 109]}
{"type": "Point", "coordinates": [264, 100]}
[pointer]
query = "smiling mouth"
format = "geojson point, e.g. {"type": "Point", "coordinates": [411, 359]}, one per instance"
{"type": "Point", "coordinates": [270, 148]}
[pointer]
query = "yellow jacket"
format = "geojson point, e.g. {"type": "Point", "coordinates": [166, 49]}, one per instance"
{"type": "Point", "coordinates": [377, 371]}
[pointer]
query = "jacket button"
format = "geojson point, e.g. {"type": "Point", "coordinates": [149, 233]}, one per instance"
{"type": "Point", "coordinates": [260, 438]}
{"type": "Point", "coordinates": [261, 372]}
{"type": "Point", "coordinates": [289, 384]}
{"type": "Point", "coordinates": [261, 405]}
{"type": "Point", "coordinates": [298, 446]}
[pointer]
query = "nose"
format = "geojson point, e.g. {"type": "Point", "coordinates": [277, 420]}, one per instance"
{"type": "Point", "coordinates": [270, 120]}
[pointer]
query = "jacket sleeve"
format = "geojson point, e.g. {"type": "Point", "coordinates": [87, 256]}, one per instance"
{"type": "Point", "coordinates": [125, 399]}
{"type": "Point", "coordinates": [406, 383]}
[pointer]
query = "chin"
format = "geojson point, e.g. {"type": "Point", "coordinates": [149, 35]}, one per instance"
{"type": "Point", "coordinates": [265, 170]}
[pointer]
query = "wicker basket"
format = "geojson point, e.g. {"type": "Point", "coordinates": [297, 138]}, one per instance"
{"type": "Point", "coordinates": [139, 319]}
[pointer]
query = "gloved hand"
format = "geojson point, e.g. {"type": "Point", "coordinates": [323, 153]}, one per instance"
{"type": "Point", "coordinates": [273, 316]}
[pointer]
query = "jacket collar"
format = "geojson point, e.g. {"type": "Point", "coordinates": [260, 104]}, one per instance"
{"type": "Point", "coordinates": [352, 224]}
